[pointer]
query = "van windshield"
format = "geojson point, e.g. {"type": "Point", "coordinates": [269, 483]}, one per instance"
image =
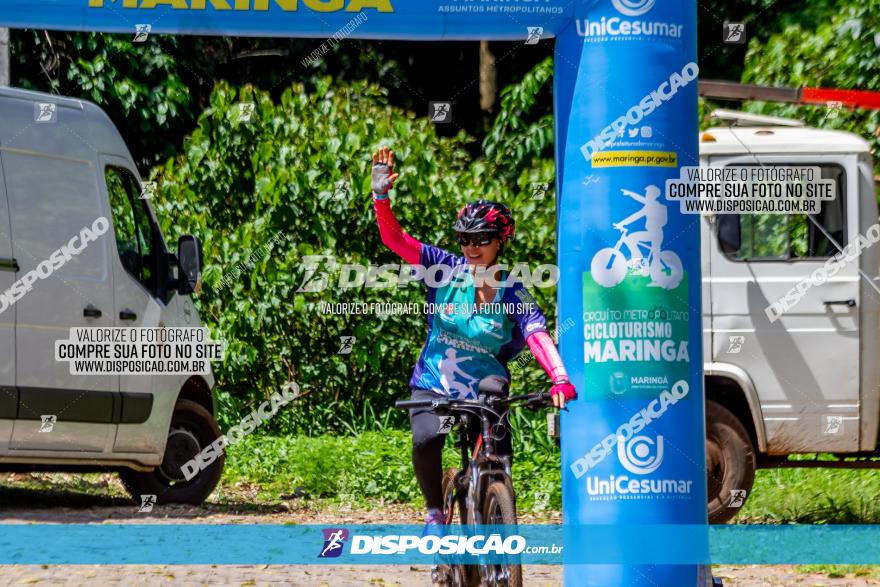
{"type": "Point", "coordinates": [134, 233]}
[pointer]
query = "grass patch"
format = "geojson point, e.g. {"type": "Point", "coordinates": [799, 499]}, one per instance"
{"type": "Point", "coordinates": [813, 496]}
{"type": "Point", "coordinates": [841, 571]}
{"type": "Point", "coordinates": [370, 468]}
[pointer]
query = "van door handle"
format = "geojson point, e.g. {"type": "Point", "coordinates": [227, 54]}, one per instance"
{"type": "Point", "coordinates": [91, 311]}
{"type": "Point", "coordinates": [127, 315]}
{"type": "Point", "coordinates": [848, 303]}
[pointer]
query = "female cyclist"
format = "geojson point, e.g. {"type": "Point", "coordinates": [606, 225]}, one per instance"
{"type": "Point", "coordinates": [469, 343]}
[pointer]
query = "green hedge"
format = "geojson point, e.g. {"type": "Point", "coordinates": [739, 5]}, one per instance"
{"type": "Point", "coordinates": [241, 185]}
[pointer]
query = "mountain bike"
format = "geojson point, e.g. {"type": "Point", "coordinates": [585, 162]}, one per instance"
{"type": "Point", "coordinates": [481, 492]}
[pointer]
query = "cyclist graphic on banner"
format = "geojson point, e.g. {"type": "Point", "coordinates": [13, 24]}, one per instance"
{"type": "Point", "coordinates": [449, 369]}
{"type": "Point", "coordinates": [610, 266]}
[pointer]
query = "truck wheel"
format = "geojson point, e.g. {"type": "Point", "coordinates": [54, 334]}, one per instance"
{"type": "Point", "coordinates": [730, 463]}
{"type": "Point", "coordinates": [192, 429]}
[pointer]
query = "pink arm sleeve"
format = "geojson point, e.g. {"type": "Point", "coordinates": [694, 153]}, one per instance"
{"type": "Point", "coordinates": [392, 234]}
{"type": "Point", "coordinates": [548, 357]}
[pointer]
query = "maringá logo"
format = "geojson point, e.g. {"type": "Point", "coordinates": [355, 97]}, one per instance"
{"type": "Point", "coordinates": [334, 539]}
{"type": "Point", "coordinates": [633, 7]}
{"type": "Point", "coordinates": [635, 454]}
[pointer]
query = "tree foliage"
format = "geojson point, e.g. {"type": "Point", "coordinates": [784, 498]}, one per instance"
{"type": "Point", "coordinates": [239, 183]}
{"type": "Point", "coordinates": [841, 52]}
{"type": "Point", "coordinates": [139, 85]}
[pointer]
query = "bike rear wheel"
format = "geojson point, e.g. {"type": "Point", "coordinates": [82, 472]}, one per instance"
{"type": "Point", "coordinates": [608, 267]}
{"type": "Point", "coordinates": [499, 508]}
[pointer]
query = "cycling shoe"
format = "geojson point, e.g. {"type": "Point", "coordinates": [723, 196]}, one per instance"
{"type": "Point", "coordinates": [440, 575]}
{"type": "Point", "coordinates": [435, 524]}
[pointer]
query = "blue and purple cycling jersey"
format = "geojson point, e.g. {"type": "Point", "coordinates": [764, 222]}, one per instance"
{"type": "Point", "coordinates": [467, 343]}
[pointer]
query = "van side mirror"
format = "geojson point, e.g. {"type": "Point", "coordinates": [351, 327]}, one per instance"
{"type": "Point", "coordinates": [189, 260]}
{"type": "Point", "coordinates": [729, 235]}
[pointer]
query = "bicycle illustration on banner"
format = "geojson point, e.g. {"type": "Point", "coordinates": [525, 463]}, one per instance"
{"type": "Point", "coordinates": [610, 265]}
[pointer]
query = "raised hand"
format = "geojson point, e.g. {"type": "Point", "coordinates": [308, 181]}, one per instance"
{"type": "Point", "coordinates": [383, 177]}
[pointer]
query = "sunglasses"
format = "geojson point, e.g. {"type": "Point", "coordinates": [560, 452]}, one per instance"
{"type": "Point", "coordinates": [477, 240]}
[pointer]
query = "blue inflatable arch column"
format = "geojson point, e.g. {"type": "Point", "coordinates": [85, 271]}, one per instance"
{"type": "Point", "coordinates": [629, 302]}
{"type": "Point", "coordinates": [633, 448]}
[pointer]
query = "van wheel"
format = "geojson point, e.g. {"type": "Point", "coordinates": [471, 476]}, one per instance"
{"type": "Point", "coordinates": [730, 463]}
{"type": "Point", "coordinates": [192, 429]}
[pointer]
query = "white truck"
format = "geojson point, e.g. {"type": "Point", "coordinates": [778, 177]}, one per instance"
{"type": "Point", "coordinates": [809, 380]}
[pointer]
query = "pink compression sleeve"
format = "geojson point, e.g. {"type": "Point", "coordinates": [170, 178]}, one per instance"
{"type": "Point", "coordinates": [392, 234]}
{"type": "Point", "coordinates": [548, 357]}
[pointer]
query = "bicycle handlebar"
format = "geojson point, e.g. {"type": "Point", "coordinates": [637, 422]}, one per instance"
{"type": "Point", "coordinates": [406, 404]}
{"type": "Point", "coordinates": [527, 398]}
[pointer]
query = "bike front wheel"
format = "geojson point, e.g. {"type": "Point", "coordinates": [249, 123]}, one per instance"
{"type": "Point", "coordinates": [454, 507]}
{"type": "Point", "coordinates": [499, 508]}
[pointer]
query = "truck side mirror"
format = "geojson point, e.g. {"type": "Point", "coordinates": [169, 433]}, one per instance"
{"type": "Point", "coordinates": [189, 259]}
{"type": "Point", "coordinates": [729, 235]}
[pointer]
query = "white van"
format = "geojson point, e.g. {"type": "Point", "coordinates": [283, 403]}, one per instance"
{"type": "Point", "coordinates": [64, 167]}
{"type": "Point", "coordinates": [808, 381]}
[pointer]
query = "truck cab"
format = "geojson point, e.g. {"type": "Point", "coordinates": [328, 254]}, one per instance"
{"type": "Point", "coordinates": [807, 380]}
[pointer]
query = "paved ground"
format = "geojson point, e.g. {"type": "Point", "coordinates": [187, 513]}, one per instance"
{"type": "Point", "coordinates": [21, 503]}
{"type": "Point", "coordinates": [349, 576]}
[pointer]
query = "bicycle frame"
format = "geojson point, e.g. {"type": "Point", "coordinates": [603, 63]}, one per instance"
{"type": "Point", "coordinates": [479, 464]}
